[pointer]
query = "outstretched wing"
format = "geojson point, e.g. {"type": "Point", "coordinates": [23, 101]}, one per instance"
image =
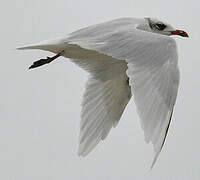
{"type": "Point", "coordinates": [106, 96]}
{"type": "Point", "coordinates": [154, 82]}
{"type": "Point", "coordinates": [152, 69]}
{"type": "Point", "coordinates": [103, 105]}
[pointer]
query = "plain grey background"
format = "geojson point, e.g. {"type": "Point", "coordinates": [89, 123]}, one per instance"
{"type": "Point", "coordinates": [40, 109]}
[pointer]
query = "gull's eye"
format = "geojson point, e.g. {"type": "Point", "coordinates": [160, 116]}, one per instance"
{"type": "Point", "coordinates": [160, 26]}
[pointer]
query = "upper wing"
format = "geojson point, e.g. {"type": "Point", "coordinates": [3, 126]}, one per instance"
{"type": "Point", "coordinates": [153, 72]}
{"type": "Point", "coordinates": [154, 80]}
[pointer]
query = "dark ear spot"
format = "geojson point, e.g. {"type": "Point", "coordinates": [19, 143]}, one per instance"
{"type": "Point", "coordinates": [160, 26]}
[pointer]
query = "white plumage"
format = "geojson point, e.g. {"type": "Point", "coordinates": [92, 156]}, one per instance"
{"type": "Point", "coordinates": [124, 57]}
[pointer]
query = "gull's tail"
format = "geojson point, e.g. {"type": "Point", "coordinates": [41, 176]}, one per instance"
{"type": "Point", "coordinates": [55, 45]}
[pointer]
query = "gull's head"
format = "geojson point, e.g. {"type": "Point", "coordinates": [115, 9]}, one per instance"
{"type": "Point", "coordinates": [160, 27]}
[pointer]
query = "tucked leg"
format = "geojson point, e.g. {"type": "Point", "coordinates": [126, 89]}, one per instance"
{"type": "Point", "coordinates": [45, 61]}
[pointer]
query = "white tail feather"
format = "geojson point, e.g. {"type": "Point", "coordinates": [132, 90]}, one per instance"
{"type": "Point", "coordinates": [55, 45]}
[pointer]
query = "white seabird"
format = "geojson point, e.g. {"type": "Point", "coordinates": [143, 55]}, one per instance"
{"type": "Point", "coordinates": [124, 57]}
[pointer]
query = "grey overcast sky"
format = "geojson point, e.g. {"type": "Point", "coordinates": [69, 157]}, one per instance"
{"type": "Point", "coordinates": [40, 109]}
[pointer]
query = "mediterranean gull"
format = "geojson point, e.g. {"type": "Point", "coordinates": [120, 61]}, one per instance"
{"type": "Point", "coordinates": [124, 57]}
